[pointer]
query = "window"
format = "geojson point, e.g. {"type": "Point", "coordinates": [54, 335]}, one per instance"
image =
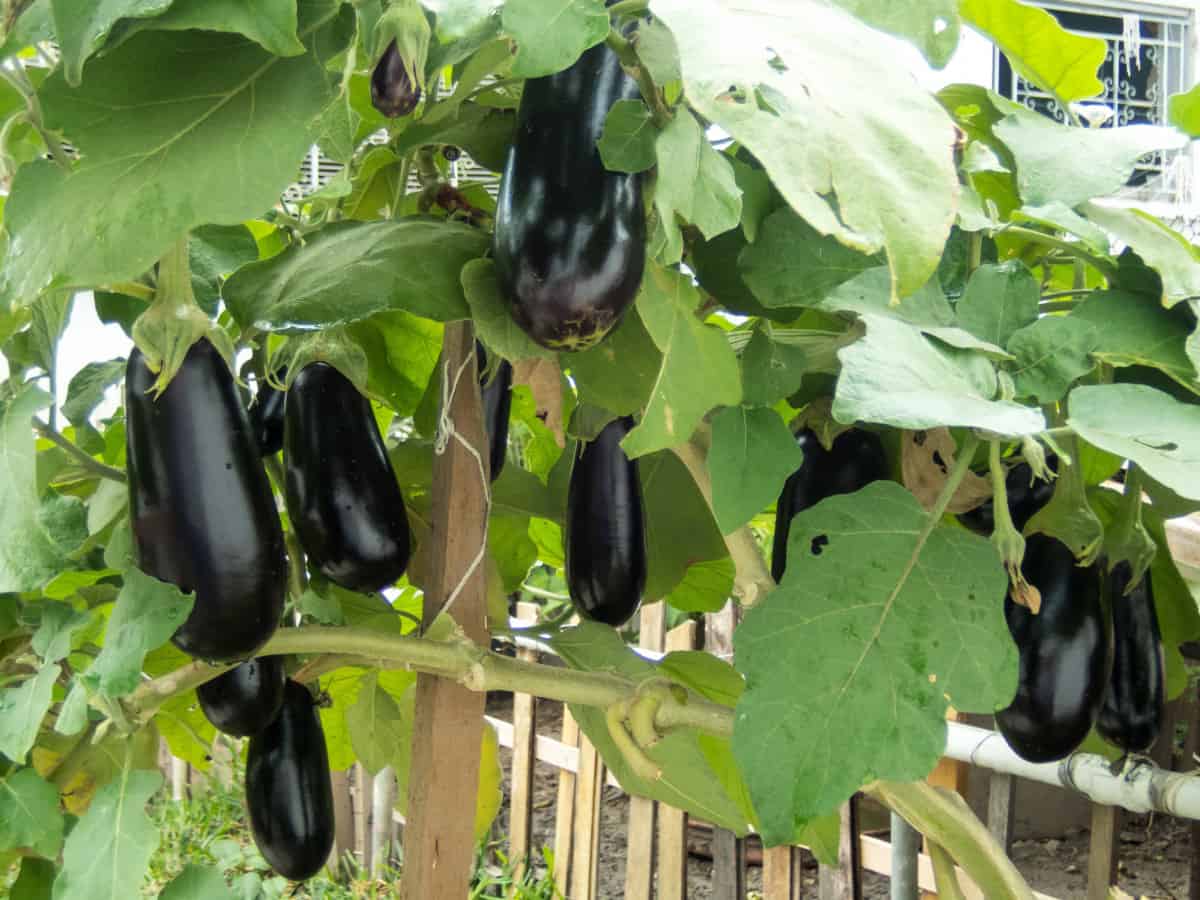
{"type": "Point", "coordinates": [1147, 62]}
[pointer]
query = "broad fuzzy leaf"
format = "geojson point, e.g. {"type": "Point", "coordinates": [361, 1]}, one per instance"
{"type": "Point", "coordinates": [627, 144]}
{"type": "Point", "coordinates": [680, 531]}
{"type": "Point", "coordinates": [552, 34]}
{"type": "Point", "coordinates": [998, 300]}
{"type": "Point", "coordinates": [932, 26]}
{"type": "Point", "coordinates": [29, 813]}
{"type": "Point", "coordinates": [1162, 247]}
{"type": "Point", "coordinates": [752, 455]}
{"type": "Point", "coordinates": [197, 883]}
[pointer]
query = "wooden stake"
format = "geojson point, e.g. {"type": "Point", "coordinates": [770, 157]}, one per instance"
{"type": "Point", "coordinates": [589, 787]}
{"type": "Point", "coordinates": [728, 850]}
{"type": "Point", "coordinates": [343, 823]}
{"type": "Point", "coordinates": [639, 854]}
{"type": "Point", "coordinates": [564, 810]}
{"type": "Point", "coordinates": [439, 848]}
{"type": "Point", "coordinates": [524, 755]}
{"type": "Point", "coordinates": [1102, 854]}
{"type": "Point", "coordinates": [672, 822]}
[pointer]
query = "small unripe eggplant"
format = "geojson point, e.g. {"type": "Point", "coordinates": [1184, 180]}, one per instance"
{"type": "Point", "coordinates": [496, 398]}
{"type": "Point", "coordinates": [605, 538]}
{"type": "Point", "coordinates": [246, 699]}
{"type": "Point", "coordinates": [392, 91]}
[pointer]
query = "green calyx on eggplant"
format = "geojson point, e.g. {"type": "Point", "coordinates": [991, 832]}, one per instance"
{"type": "Point", "coordinates": [266, 416]}
{"type": "Point", "coordinates": [200, 504]}
{"type": "Point", "coordinates": [1132, 712]}
{"type": "Point", "coordinates": [1026, 495]}
{"type": "Point", "coordinates": [1065, 653]}
{"type": "Point", "coordinates": [246, 699]}
{"type": "Point", "coordinates": [605, 539]}
{"type": "Point", "coordinates": [392, 91]}
{"type": "Point", "coordinates": [342, 493]}
{"type": "Point", "coordinates": [854, 461]}
{"type": "Point", "coordinates": [496, 398]}
{"type": "Point", "coordinates": [570, 236]}
{"type": "Point", "coordinates": [289, 793]}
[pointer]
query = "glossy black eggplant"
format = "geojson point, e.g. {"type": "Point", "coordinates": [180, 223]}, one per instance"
{"type": "Point", "coordinates": [1025, 497]}
{"type": "Point", "coordinates": [856, 459]}
{"type": "Point", "coordinates": [246, 699]}
{"type": "Point", "coordinates": [289, 793]}
{"type": "Point", "coordinates": [392, 91]}
{"type": "Point", "coordinates": [1132, 712]}
{"type": "Point", "coordinates": [1065, 650]}
{"type": "Point", "coordinates": [266, 416]}
{"type": "Point", "coordinates": [605, 536]}
{"type": "Point", "coordinates": [342, 493]}
{"type": "Point", "coordinates": [496, 398]}
{"type": "Point", "coordinates": [570, 236]}
{"type": "Point", "coordinates": [201, 508]}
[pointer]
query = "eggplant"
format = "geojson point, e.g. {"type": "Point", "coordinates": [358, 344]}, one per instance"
{"type": "Point", "coordinates": [1132, 712]}
{"type": "Point", "coordinates": [1066, 652]}
{"type": "Point", "coordinates": [246, 699]}
{"type": "Point", "coordinates": [856, 459]}
{"type": "Point", "coordinates": [392, 92]}
{"type": "Point", "coordinates": [266, 416]}
{"type": "Point", "coordinates": [289, 793]}
{"type": "Point", "coordinates": [570, 236]}
{"type": "Point", "coordinates": [496, 398]}
{"type": "Point", "coordinates": [200, 504]}
{"type": "Point", "coordinates": [342, 494]}
{"type": "Point", "coordinates": [1025, 497]}
{"type": "Point", "coordinates": [605, 538]}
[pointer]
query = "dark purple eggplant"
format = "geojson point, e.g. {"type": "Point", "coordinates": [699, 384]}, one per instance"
{"type": "Point", "coordinates": [202, 511]}
{"type": "Point", "coordinates": [392, 91]}
{"type": "Point", "coordinates": [1066, 653]}
{"type": "Point", "coordinates": [856, 459]}
{"type": "Point", "coordinates": [342, 492]}
{"type": "Point", "coordinates": [289, 793]}
{"type": "Point", "coordinates": [266, 416]}
{"type": "Point", "coordinates": [570, 236]}
{"type": "Point", "coordinates": [496, 398]}
{"type": "Point", "coordinates": [1132, 713]}
{"type": "Point", "coordinates": [246, 699]}
{"type": "Point", "coordinates": [605, 536]}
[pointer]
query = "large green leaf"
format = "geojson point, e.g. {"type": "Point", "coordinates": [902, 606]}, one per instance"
{"type": "Point", "coordinates": [617, 374]}
{"type": "Point", "coordinates": [36, 880]}
{"type": "Point", "coordinates": [1040, 49]}
{"type": "Point", "coordinates": [876, 175]}
{"type": "Point", "coordinates": [998, 300]}
{"type": "Point", "coordinates": [59, 622]}
{"type": "Point", "coordinates": [22, 709]}
{"type": "Point", "coordinates": [887, 618]}
{"type": "Point", "coordinates": [752, 455]}
{"type": "Point", "coordinates": [869, 292]}
{"type": "Point", "coordinates": [680, 531]}
{"type": "Point", "coordinates": [350, 271]}
{"type": "Point", "coordinates": [402, 350]}
{"type": "Point", "coordinates": [88, 386]}
{"type": "Point", "coordinates": [1131, 330]}
{"type": "Point", "coordinates": [1050, 355]}
{"type": "Point", "coordinates": [1163, 248]}
{"type": "Point", "coordinates": [552, 34]}
{"type": "Point", "coordinates": [197, 883]}
{"type": "Point", "coordinates": [932, 26]}
{"type": "Point", "coordinates": [214, 143]}
{"type": "Point", "coordinates": [269, 23]}
{"type": "Point", "coordinates": [1144, 425]}
{"type": "Point", "coordinates": [699, 370]}
{"type": "Point", "coordinates": [29, 813]}
{"type": "Point", "coordinates": [772, 369]}
{"type": "Point", "coordinates": [493, 321]}
{"type": "Point", "coordinates": [38, 536]}
{"type": "Point", "coordinates": [82, 26]}
{"type": "Point", "coordinates": [627, 144]}
{"type": "Point", "coordinates": [896, 376]}
{"type": "Point", "coordinates": [706, 586]}
{"type": "Point", "coordinates": [378, 730]}
{"type": "Point", "coordinates": [109, 849]}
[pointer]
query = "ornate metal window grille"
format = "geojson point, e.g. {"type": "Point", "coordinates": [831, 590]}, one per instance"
{"type": "Point", "coordinates": [1147, 62]}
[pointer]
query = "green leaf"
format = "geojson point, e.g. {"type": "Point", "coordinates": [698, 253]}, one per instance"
{"type": "Point", "coordinates": [1162, 247]}
{"type": "Point", "coordinates": [88, 386]}
{"type": "Point", "coordinates": [377, 729]}
{"type": "Point", "coordinates": [552, 34]}
{"type": "Point", "coordinates": [706, 586]}
{"type": "Point", "coordinates": [22, 710]}
{"type": "Point", "coordinates": [998, 300]}
{"type": "Point", "coordinates": [38, 535]}
{"type": "Point", "coordinates": [792, 264]}
{"type": "Point", "coordinates": [141, 183]}
{"type": "Point", "coordinates": [932, 26]}
{"type": "Point", "coordinates": [656, 51]}
{"type": "Point", "coordinates": [29, 814]}
{"type": "Point", "coordinates": [36, 879]}
{"type": "Point", "coordinates": [512, 549]}
{"type": "Point", "coordinates": [752, 455]}
{"type": "Point", "coordinates": [617, 374]}
{"type": "Point", "coordinates": [1183, 111]}
{"type": "Point", "coordinates": [188, 733]}
{"type": "Point", "coordinates": [1131, 330]}
{"type": "Point", "coordinates": [82, 26]}
{"type": "Point", "coordinates": [214, 253]}
{"type": "Point", "coordinates": [147, 613]}
{"type": "Point", "coordinates": [680, 531]}
{"type": "Point", "coordinates": [1144, 425]}
{"type": "Point", "coordinates": [197, 882]}
{"type": "Point", "coordinates": [269, 23]}
{"type": "Point", "coordinates": [350, 271]}
{"type": "Point", "coordinates": [1048, 154]}
{"type": "Point", "coordinates": [494, 324]}
{"type": "Point", "coordinates": [1039, 49]}
{"type": "Point", "coordinates": [703, 673]}
{"type": "Point", "coordinates": [896, 376]}
{"type": "Point", "coordinates": [908, 618]}
{"type": "Point", "coordinates": [695, 182]}
{"type": "Point", "coordinates": [402, 351]}
{"type": "Point", "coordinates": [52, 640]}
{"type": "Point", "coordinates": [110, 848]}
{"type": "Point", "coordinates": [869, 293]}
{"type": "Point", "coordinates": [822, 836]}
{"type": "Point", "coordinates": [459, 20]}
{"type": "Point", "coordinates": [627, 144]}
{"type": "Point", "coordinates": [342, 686]}
{"type": "Point", "coordinates": [874, 175]}
{"type": "Point", "coordinates": [699, 369]}
{"type": "Point", "coordinates": [1051, 354]}
{"type": "Point", "coordinates": [73, 715]}
{"type": "Point", "coordinates": [772, 370]}
{"type": "Point", "coordinates": [49, 317]}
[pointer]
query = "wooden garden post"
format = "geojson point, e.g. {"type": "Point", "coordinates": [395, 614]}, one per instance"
{"type": "Point", "coordinates": [439, 834]}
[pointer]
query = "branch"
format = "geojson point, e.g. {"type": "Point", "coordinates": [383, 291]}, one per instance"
{"type": "Point", "coordinates": [80, 455]}
{"type": "Point", "coordinates": [1099, 263]}
{"type": "Point", "coordinates": [14, 73]}
{"type": "Point", "coordinates": [630, 63]}
{"type": "Point", "coordinates": [752, 580]}
{"type": "Point", "coordinates": [297, 574]}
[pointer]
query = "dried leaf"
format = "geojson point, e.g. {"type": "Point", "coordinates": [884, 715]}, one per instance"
{"type": "Point", "coordinates": [545, 382]}
{"type": "Point", "coordinates": [926, 459]}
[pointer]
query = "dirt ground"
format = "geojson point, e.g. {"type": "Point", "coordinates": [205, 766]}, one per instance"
{"type": "Point", "coordinates": [1154, 856]}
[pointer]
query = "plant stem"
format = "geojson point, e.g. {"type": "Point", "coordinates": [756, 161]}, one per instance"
{"type": "Point", "coordinates": [943, 872]}
{"type": "Point", "coordinates": [80, 455]}
{"type": "Point", "coordinates": [297, 575]}
{"type": "Point", "coordinates": [14, 73]}
{"type": "Point", "coordinates": [628, 7]}
{"type": "Point", "coordinates": [1102, 265]}
{"type": "Point", "coordinates": [629, 61]}
{"type": "Point", "coordinates": [1081, 292]}
{"type": "Point", "coordinates": [752, 580]}
{"type": "Point", "coordinates": [131, 289]}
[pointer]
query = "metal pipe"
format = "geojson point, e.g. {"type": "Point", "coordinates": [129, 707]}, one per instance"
{"type": "Point", "coordinates": [906, 849]}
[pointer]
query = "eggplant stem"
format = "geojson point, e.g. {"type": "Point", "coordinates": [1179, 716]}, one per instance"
{"type": "Point", "coordinates": [86, 460]}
